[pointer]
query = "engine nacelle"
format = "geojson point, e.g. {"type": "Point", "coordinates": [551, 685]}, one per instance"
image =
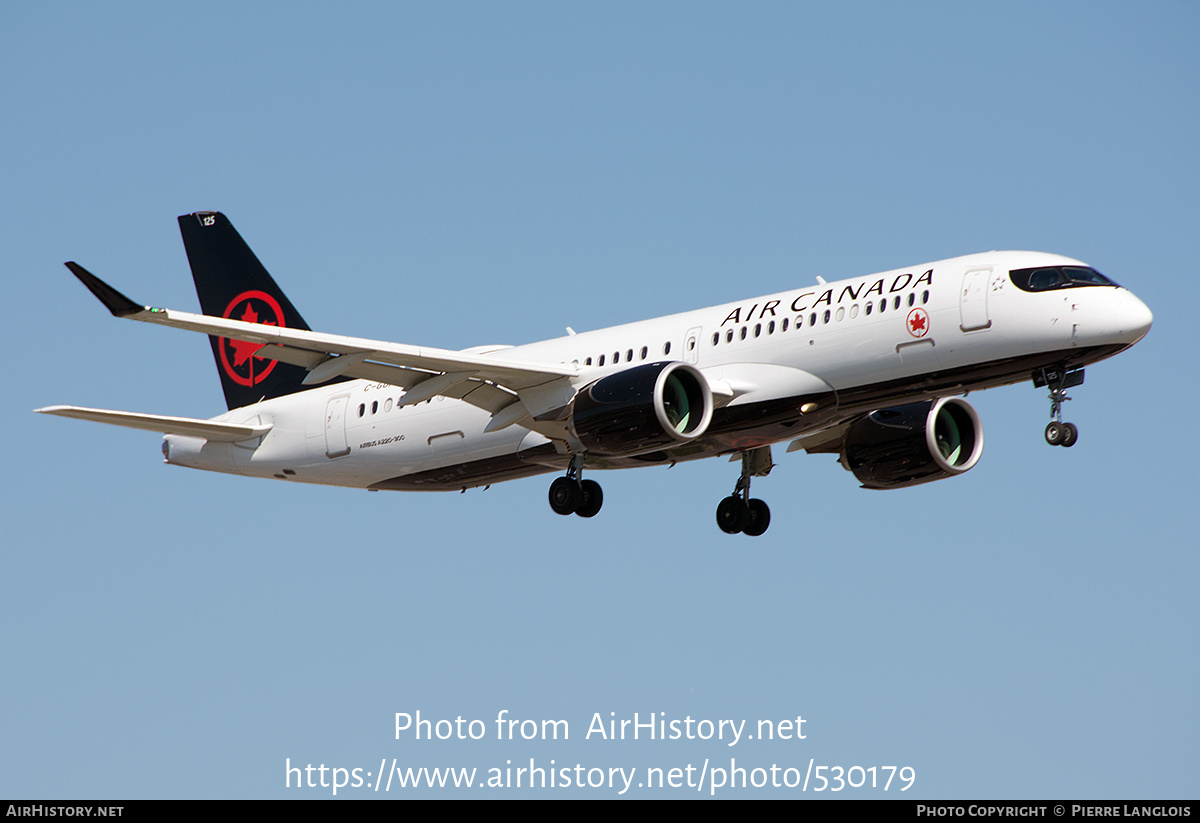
{"type": "Point", "coordinates": [913, 444]}
{"type": "Point", "coordinates": [642, 409]}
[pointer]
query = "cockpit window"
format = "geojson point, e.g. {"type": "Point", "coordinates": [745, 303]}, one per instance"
{"type": "Point", "coordinates": [1047, 278]}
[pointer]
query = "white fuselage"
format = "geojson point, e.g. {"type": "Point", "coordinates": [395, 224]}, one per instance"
{"type": "Point", "coordinates": [930, 330]}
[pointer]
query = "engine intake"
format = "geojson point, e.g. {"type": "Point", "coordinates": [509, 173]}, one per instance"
{"type": "Point", "coordinates": [642, 409]}
{"type": "Point", "coordinates": [913, 444]}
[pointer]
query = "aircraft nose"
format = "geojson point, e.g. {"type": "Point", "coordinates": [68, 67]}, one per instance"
{"type": "Point", "coordinates": [1136, 318]}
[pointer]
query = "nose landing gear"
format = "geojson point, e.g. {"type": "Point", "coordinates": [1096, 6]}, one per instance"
{"type": "Point", "coordinates": [1061, 434]}
{"type": "Point", "coordinates": [740, 513]}
{"type": "Point", "coordinates": [1058, 380]}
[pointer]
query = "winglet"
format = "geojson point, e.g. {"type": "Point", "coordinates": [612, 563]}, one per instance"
{"type": "Point", "coordinates": [113, 300]}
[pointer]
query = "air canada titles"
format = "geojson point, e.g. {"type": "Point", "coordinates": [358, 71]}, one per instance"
{"type": "Point", "coordinates": [831, 296]}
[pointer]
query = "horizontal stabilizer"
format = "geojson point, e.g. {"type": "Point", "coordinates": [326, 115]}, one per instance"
{"type": "Point", "coordinates": [208, 429]}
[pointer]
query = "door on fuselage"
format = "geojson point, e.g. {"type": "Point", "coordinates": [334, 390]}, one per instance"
{"type": "Point", "coordinates": [691, 345]}
{"type": "Point", "coordinates": [973, 300]}
{"type": "Point", "coordinates": [335, 426]}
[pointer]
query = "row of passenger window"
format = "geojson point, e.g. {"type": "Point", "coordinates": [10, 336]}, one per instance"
{"type": "Point", "coordinates": [642, 354]}
{"type": "Point", "coordinates": [745, 332]}
{"type": "Point", "coordinates": [629, 354]}
{"type": "Point", "coordinates": [836, 315]}
{"type": "Point", "coordinates": [387, 406]}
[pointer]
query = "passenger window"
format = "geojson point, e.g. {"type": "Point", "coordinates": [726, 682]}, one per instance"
{"type": "Point", "coordinates": [387, 405]}
{"type": "Point", "coordinates": [716, 337]}
{"type": "Point", "coordinates": [825, 318]}
{"type": "Point", "coordinates": [729, 336]}
{"type": "Point", "coordinates": [629, 356]}
{"type": "Point", "coordinates": [925, 296]}
{"type": "Point", "coordinates": [869, 305]}
{"type": "Point", "coordinates": [667, 347]}
{"type": "Point", "coordinates": [362, 409]}
{"type": "Point", "coordinates": [743, 334]}
{"type": "Point", "coordinates": [771, 327]}
{"type": "Point", "coordinates": [912, 298]}
{"type": "Point", "coordinates": [841, 313]}
{"type": "Point", "coordinates": [645, 352]}
{"type": "Point", "coordinates": [896, 303]}
{"type": "Point", "coordinates": [854, 311]}
{"type": "Point", "coordinates": [757, 329]}
{"type": "Point", "coordinates": [601, 360]}
{"type": "Point", "coordinates": [374, 406]}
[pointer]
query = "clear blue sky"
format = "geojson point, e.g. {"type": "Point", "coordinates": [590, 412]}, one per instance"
{"type": "Point", "coordinates": [465, 174]}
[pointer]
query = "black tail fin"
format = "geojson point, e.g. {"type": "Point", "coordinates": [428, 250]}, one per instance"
{"type": "Point", "coordinates": [230, 282]}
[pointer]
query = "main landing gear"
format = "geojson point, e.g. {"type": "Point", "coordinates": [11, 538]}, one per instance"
{"type": "Point", "coordinates": [573, 495]}
{"type": "Point", "coordinates": [739, 512]}
{"type": "Point", "coordinates": [1058, 380]}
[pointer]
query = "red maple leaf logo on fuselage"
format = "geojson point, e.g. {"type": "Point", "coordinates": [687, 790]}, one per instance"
{"type": "Point", "coordinates": [918, 322]}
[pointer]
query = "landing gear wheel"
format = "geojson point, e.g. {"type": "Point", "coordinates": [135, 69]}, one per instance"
{"type": "Point", "coordinates": [732, 514]}
{"type": "Point", "coordinates": [591, 498]}
{"type": "Point", "coordinates": [1058, 379]}
{"type": "Point", "coordinates": [1070, 435]}
{"type": "Point", "coordinates": [760, 517]}
{"type": "Point", "coordinates": [566, 495]}
{"type": "Point", "coordinates": [1054, 433]}
{"type": "Point", "coordinates": [739, 512]}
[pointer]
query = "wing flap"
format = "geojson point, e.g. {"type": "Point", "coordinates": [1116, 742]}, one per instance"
{"type": "Point", "coordinates": [485, 395]}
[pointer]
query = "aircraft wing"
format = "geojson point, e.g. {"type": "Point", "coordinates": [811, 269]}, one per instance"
{"type": "Point", "coordinates": [208, 429]}
{"type": "Point", "coordinates": [491, 383]}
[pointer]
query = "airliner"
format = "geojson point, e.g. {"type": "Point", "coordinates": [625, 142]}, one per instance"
{"type": "Point", "coordinates": [871, 369]}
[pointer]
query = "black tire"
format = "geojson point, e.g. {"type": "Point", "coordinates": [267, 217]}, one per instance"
{"type": "Point", "coordinates": [565, 495]}
{"type": "Point", "coordinates": [760, 518]}
{"type": "Point", "coordinates": [1070, 435]}
{"type": "Point", "coordinates": [732, 515]}
{"type": "Point", "coordinates": [1054, 433]}
{"type": "Point", "coordinates": [592, 498]}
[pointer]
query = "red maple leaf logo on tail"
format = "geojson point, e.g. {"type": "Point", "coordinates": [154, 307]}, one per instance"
{"type": "Point", "coordinates": [242, 368]}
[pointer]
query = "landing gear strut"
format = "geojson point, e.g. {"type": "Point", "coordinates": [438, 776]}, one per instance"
{"type": "Point", "coordinates": [1058, 380]}
{"type": "Point", "coordinates": [739, 512]}
{"type": "Point", "coordinates": [573, 495]}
